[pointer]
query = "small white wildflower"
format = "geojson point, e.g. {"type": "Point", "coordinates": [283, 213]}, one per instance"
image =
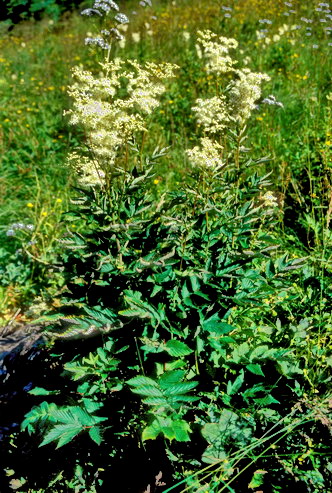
{"type": "Point", "coordinates": [123, 27]}
{"type": "Point", "coordinates": [89, 172]}
{"type": "Point", "coordinates": [122, 43]}
{"type": "Point", "coordinates": [113, 5]}
{"type": "Point", "coordinates": [186, 35]}
{"type": "Point", "coordinates": [271, 100]}
{"type": "Point", "coordinates": [199, 51]}
{"type": "Point", "coordinates": [109, 107]}
{"type": "Point", "coordinates": [116, 34]}
{"type": "Point", "coordinates": [276, 38]}
{"type": "Point", "coordinates": [270, 200]}
{"type": "Point", "coordinates": [207, 155]}
{"type": "Point", "coordinates": [136, 37]}
{"type": "Point", "coordinates": [260, 34]}
{"type": "Point", "coordinates": [121, 18]}
{"type": "Point", "coordinates": [103, 6]}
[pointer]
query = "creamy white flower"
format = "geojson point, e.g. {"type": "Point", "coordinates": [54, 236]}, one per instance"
{"type": "Point", "coordinates": [110, 107]}
{"type": "Point", "coordinates": [215, 50]}
{"type": "Point", "coordinates": [212, 114]}
{"type": "Point", "coordinates": [207, 155]}
{"type": "Point", "coordinates": [245, 93]}
{"type": "Point", "coordinates": [136, 37]}
{"type": "Point", "coordinates": [88, 171]}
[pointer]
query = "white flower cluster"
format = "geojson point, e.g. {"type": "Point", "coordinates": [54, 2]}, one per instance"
{"type": "Point", "coordinates": [270, 199]}
{"type": "Point", "coordinates": [110, 108]}
{"type": "Point", "coordinates": [212, 114]}
{"type": "Point", "coordinates": [207, 155]}
{"type": "Point", "coordinates": [88, 170]}
{"type": "Point", "coordinates": [245, 92]}
{"type": "Point", "coordinates": [235, 105]}
{"type": "Point", "coordinates": [215, 50]}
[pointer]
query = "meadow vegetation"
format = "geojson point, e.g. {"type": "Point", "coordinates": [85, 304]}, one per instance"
{"type": "Point", "coordinates": [166, 183]}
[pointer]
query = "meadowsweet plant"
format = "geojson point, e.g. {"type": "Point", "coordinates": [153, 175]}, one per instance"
{"type": "Point", "coordinates": [189, 293]}
{"type": "Point", "coordinates": [190, 338]}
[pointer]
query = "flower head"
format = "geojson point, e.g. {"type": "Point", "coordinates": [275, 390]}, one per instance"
{"type": "Point", "coordinates": [207, 155]}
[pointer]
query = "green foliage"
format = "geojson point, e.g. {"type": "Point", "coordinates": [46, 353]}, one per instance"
{"type": "Point", "coordinates": [30, 8]}
{"type": "Point", "coordinates": [166, 396]}
{"type": "Point", "coordinates": [67, 422]}
{"type": "Point", "coordinates": [192, 282]}
{"type": "Point", "coordinates": [229, 430]}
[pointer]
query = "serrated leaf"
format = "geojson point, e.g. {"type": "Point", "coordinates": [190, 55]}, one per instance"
{"type": "Point", "coordinates": [151, 432]}
{"type": "Point", "coordinates": [177, 348]}
{"type": "Point", "coordinates": [180, 388]}
{"type": "Point", "coordinates": [64, 433]}
{"type": "Point", "coordinates": [240, 352]}
{"type": "Point", "coordinates": [135, 313]}
{"type": "Point", "coordinates": [171, 377]}
{"type": "Point", "coordinates": [95, 434]}
{"type": "Point", "coordinates": [141, 380]}
{"type": "Point", "coordinates": [217, 326]}
{"type": "Point", "coordinates": [148, 390]}
{"type": "Point", "coordinates": [91, 406]}
{"type": "Point", "coordinates": [288, 369]}
{"type": "Point", "coordinates": [183, 398]}
{"type": "Point", "coordinates": [156, 401]}
{"type": "Point", "coordinates": [260, 352]}
{"type": "Point", "coordinates": [41, 391]}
